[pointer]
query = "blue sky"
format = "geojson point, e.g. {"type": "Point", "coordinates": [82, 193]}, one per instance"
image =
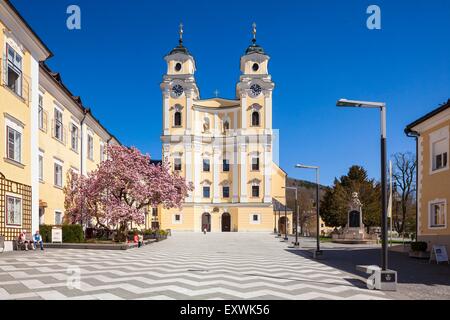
{"type": "Point", "coordinates": [320, 51]}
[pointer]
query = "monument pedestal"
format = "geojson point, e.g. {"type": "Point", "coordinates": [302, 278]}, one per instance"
{"type": "Point", "coordinates": [354, 232]}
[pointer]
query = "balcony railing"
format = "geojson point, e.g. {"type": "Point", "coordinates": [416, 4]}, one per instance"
{"type": "Point", "coordinates": [23, 91]}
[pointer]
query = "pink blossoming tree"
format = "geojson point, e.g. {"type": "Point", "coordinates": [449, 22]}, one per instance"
{"type": "Point", "coordinates": [121, 189]}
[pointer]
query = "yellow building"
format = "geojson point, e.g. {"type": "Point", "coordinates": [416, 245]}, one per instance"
{"type": "Point", "coordinates": [70, 138]}
{"type": "Point", "coordinates": [433, 175]}
{"type": "Point", "coordinates": [45, 131]}
{"type": "Point", "coordinates": [222, 146]}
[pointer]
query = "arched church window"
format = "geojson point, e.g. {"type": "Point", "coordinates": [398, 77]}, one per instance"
{"type": "Point", "coordinates": [206, 124]}
{"type": "Point", "coordinates": [226, 126]}
{"type": "Point", "coordinates": [177, 119]}
{"type": "Point", "coordinates": [255, 119]}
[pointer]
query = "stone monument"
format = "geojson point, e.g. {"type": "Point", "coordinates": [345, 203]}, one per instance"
{"type": "Point", "coordinates": [354, 232]}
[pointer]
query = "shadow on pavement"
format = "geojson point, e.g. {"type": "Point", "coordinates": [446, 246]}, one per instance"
{"type": "Point", "coordinates": [409, 270]}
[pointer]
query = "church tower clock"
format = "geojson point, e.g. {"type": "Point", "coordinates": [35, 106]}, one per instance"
{"type": "Point", "coordinates": [179, 90]}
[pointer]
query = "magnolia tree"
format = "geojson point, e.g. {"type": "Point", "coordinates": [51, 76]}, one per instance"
{"type": "Point", "coordinates": [120, 190]}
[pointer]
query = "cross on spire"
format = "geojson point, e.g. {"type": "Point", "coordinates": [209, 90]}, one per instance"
{"type": "Point", "coordinates": [181, 34]}
{"type": "Point", "coordinates": [254, 32]}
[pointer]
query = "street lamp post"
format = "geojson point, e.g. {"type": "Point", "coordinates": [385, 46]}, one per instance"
{"type": "Point", "coordinates": [296, 243]}
{"type": "Point", "coordinates": [384, 225]}
{"type": "Point", "coordinates": [301, 166]}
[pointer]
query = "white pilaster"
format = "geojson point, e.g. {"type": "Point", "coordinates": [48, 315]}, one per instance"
{"type": "Point", "coordinates": [216, 160]}
{"type": "Point", "coordinates": [188, 166]}
{"type": "Point", "coordinates": [267, 171]}
{"type": "Point", "coordinates": [268, 110]}
{"type": "Point", "coordinates": [235, 171]}
{"type": "Point", "coordinates": [166, 152]}
{"type": "Point", "coordinates": [166, 111]}
{"type": "Point", "coordinates": [83, 153]}
{"type": "Point", "coordinates": [244, 110]}
{"type": "Point", "coordinates": [243, 179]}
{"type": "Point", "coordinates": [34, 143]}
{"type": "Point", "coordinates": [188, 112]}
{"type": "Point", "coordinates": [197, 172]}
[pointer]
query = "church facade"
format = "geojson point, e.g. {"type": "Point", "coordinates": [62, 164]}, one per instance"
{"type": "Point", "coordinates": [224, 147]}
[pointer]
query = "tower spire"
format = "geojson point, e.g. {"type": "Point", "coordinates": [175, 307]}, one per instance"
{"type": "Point", "coordinates": [254, 32]}
{"type": "Point", "coordinates": [181, 34]}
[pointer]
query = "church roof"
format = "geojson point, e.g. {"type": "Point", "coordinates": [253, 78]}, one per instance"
{"type": "Point", "coordinates": [215, 103]}
{"type": "Point", "coordinates": [254, 48]}
{"type": "Point", "coordinates": [179, 49]}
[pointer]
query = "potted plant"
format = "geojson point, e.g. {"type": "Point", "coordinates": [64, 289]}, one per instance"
{"type": "Point", "coordinates": [419, 250]}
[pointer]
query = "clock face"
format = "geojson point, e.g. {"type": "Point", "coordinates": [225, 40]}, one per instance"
{"type": "Point", "coordinates": [177, 90]}
{"type": "Point", "coordinates": [255, 90]}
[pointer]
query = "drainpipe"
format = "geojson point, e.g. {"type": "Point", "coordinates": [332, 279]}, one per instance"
{"type": "Point", "coordinates": [414, 134]}
{"type": "Point", "coordinates": [81, 160]}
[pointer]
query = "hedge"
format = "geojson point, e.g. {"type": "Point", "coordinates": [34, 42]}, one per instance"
{"type": "Point", "coordinates": [72, 233]}
{"type": "Point", "coordinates": [419, 246]}
{"type": "Point", "coordinates": [46, 232]}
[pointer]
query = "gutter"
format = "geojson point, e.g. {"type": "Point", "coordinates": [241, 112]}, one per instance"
{"type": "Point", "coordinates": [414, 134]}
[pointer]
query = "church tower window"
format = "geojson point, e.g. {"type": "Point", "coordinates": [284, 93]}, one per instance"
{"type": "Point", "coordinates": [177, 119]}
{"type": "Point", "coordinates": [255, 119]}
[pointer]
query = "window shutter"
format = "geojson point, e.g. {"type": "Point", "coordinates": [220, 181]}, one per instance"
{"type": "Point", "coordinates": [4, 66]}
{"type": "Point", "coordinates": [44, 120]}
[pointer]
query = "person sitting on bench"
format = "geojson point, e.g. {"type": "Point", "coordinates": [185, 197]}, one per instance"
{"type": "Point", "coordinates": [22, 240]}
{"type": "Point", "coordinates": [37, 238]}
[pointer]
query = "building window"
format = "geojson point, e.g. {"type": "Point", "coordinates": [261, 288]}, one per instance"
{"type": "Point", "coordinates": [58, 218]}
{"type": "Point", "coordinates": [438, 214]}
{"type": "Point", "coordinates": [74, 137]}
{"type": "Point", "coordinates": [42, 121]}
{"type": "Point", "coordinates": [226, 126]}
{"type": "Point", "coordinates": [154, 212]}
{"type": "Point", "coordinates": [206, 165]}
{"type": "Point", "coordinates": [255, 191]}
{"type": "Point", "coordinates": [14, 143]}
{"type": "Point", "coordinates": [90, 145]}
{"type": "Point", "coordinates": [176, 218]}
{"type": "Point", "coordinates": [177, 164]}
{"type": "Point", "coordinates": [58, 125]}
{"type": "Point", "coordinates": [14, 71]}
{"type": "Point", "coordinates": [226, 191]}
{"type": "Point", "coordinates": [255, 164]}
{"type": "Point", "coordinates": [440, 154]}
{"type": "Point", "coordinates": [255, 218]}
{"type": "Point", "coordinates": [206, 191]}
{"type": "Point", "coordinates": [177, 119]}
{"type": "Point", "coordinates": [102, 151]}
{"type": "Point", "coordinates": [58, 175]}
{"type": "Point", "coordinates": [225, 165]}
{"type": "Point", "coordinates": [255, 119]}
{"type": "Point", "coordinates": [13, 211]}
{"type": "Point", "coordinates": [41, 167]}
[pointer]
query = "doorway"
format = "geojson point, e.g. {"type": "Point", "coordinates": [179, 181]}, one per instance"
{"type": "Point", "coordinates": [226, 222]}
{"type": "Point", "coordinates": [206, 222]}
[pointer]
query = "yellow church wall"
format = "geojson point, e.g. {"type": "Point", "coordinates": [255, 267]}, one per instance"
{"type": "Point", "coordinates": [244, 219]}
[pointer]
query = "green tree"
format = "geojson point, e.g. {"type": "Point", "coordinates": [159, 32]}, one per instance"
{"type": "Point", "coordinates": [335, 203]}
